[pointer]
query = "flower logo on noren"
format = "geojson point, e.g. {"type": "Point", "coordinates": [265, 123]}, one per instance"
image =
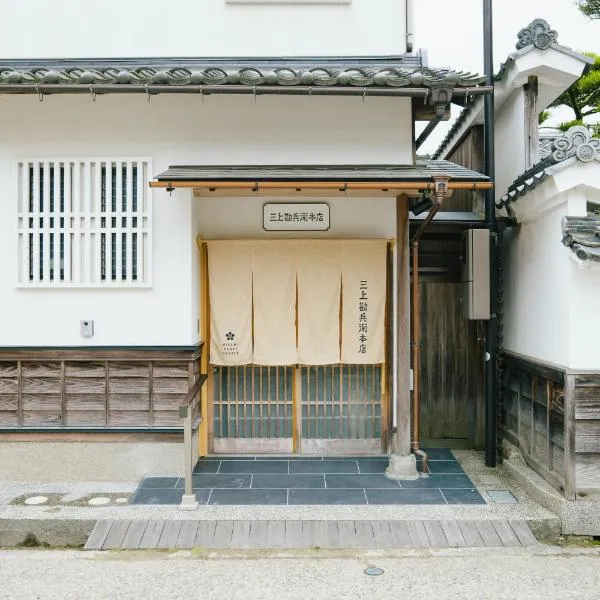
{"type": "Point", "coordinates": [229, 336]}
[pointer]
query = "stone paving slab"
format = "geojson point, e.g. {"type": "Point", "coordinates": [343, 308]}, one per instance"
{"type": "Point", "coordinates": [273, 534]}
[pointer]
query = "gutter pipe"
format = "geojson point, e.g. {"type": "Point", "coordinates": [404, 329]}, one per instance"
{"type": "Point", "coordinates": [491, 338]}
{"type": "Point", "coordinates": [43, 89]}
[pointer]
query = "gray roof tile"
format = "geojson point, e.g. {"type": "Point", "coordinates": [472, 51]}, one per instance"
{"type": "Point", "coordinates": [423, 170]}
{"type": "Point", "coordinates": [106, 75]}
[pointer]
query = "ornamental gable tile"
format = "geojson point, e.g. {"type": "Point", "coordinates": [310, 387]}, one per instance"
{"type": "Point", "coordinates": [538, 33]}
{"type": "Point", "coordinates": [582, 236]}
{"type": "Point", "coordinates": [578, 143]}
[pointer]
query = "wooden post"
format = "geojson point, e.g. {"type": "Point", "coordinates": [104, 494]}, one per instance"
{"type": "Point", "coordinates": [532, 134]}
{"type": "Point", "coordinates": [569, 416]}
{"type": "Point", "coordinates": [403, 417]}
{"type": "Point", "coordinates": [205, 332]}
{"type": "Point", "coordinates": [403, 464]}
{"type": "Point", "coordinates": [297, 409]}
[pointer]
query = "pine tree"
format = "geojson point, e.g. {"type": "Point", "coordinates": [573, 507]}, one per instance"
{"type": "Point", "coordinates": [583, 97]}
{"type": "Point", "coordinates": [590, 8]}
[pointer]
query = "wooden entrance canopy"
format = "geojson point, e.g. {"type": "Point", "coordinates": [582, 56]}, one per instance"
{"type": "Point", "coordinates": [370, 180]}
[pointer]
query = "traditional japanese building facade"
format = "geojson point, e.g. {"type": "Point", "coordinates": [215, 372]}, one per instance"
{"type": "Point", "coordinates": [136, 290]}
{"type": "Point", "coordinates": [168, 212]}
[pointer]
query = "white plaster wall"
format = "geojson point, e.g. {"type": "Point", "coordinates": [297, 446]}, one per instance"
{"type": "Point", "coordinates": [224, 218]}
{"type": "Point", "coordinates": [113, 28]}
{"type": "Point", "coordinates": [510, 141]}
{"type": "Point", "coordinates": [537, 291]}
{"type": "Point", "coordinates": [175, 130]}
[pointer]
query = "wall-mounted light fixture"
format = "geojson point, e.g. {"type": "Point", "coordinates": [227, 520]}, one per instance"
{"type": "Point", "coordinates": [420, 206]}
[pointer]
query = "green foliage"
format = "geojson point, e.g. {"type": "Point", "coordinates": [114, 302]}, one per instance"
{"type": "Point", "coordinates": [583, 97]}
{"type": "Point", "coordinates": [568, 124]}
{"type": "Point", "coordinates": [590, 8]}
{"type": "Point", "coordinates": [593, 127]}
{"type": "Point", "coordinates": [544, 115]}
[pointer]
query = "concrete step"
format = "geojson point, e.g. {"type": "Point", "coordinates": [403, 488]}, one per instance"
{"type": "Point", "coordinates": [137, 534]}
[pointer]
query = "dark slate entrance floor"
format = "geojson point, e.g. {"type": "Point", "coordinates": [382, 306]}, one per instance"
{"type": "Point", "coordinates": [297, 480]}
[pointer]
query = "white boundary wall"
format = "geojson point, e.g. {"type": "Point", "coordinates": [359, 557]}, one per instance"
{"type": "Point", "coordinates": [551, 300]}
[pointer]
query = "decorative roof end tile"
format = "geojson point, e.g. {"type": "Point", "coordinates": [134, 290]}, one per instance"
{"type": "Point", "coordinates": [582, 236]}
{"type": "Point", "coordinates": [578, 141]}
{"type": "Point", "coordinates": [538, 33]}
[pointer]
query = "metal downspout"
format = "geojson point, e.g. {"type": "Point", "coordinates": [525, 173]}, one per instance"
{"type": "Point", "coordinates": [491, 338]}
{"type": "Point", "coordinates": [441, 189]}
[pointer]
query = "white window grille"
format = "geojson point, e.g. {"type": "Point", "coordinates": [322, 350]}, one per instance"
{"type": "Point", "coordinates": [84, 223]}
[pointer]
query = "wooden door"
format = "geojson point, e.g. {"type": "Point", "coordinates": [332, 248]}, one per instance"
{"type": "Point", "coordinates": [335, 409]}
{"type": "Point", "coordinates": [451, 370]}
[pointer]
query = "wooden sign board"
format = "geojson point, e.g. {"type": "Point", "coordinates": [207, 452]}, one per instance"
{"type": "Point", "coordinates": [300, 216]}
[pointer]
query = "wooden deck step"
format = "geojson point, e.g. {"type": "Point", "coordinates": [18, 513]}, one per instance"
{"type": "Point", "coordinates": [279, 534]}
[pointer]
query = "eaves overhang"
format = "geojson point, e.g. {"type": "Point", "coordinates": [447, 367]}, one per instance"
{"type": "Point", "coordinates": [315, 179]}
{"type": "Point", "coordinates": [403, 75]}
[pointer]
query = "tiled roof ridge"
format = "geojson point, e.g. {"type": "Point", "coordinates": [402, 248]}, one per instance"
{"type": "Point", "coordinates": [392, 72]}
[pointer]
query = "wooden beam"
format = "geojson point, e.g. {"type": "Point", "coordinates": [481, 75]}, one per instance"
{"type": "Point", "coordinates": [203, 448]}
{"type": "Point", "coordinates": [393, 187]}
{"type": "Point", "coordinates": [92, 354]}
{"type": "Point", "coordinates": [532, 132]}
{"type": "Point", "coordinates": [403, 416]}
{"type": "Point", "coordinates": [569, 450]}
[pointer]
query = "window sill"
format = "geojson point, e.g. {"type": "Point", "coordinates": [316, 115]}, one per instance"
{"type": "Point", "coordinates": [79, 286]}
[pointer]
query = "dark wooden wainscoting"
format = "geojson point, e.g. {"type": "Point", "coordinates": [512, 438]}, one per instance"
{"type": "Point", "coordinates": [94, 388]}
{"type": "Point", "coordinates": [586, 433]}
{"type": "Point", "coordinates": [534, 416]}
{"type": "Point", "coordinates": [553, 416]}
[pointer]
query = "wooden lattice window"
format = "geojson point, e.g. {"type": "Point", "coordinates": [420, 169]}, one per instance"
{"type": "Point", "coordinates": [84, 222]}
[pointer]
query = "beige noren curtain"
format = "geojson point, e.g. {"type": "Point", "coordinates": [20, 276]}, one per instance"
{"type": "Point", "coordinates": [363, 301]}
{"type": "Point", "coordinates": [230, 286]}
{"type": "Point", "coordinates": [319, 283]}
{"type": "Point", "coordinates": [274, 289]}
{"type": "Point", "coordinates": [261, 291]}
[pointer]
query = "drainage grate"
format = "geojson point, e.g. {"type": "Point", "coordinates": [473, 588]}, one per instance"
{"type": "Point", "coordinates": [502, 497]}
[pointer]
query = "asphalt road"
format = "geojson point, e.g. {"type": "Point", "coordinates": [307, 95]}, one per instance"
{"type": "Point", "coordinates": [463, 575]}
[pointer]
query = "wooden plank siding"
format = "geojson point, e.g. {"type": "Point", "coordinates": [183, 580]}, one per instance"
{"type": "Point", "coordinates": [95, 388]}
{"type": "Point", "coordinates": [468, 154]}
{"type": "Point", "coordinates": [534, 418]}
{"type": "Point", "coordinates": [587, 435]}
{"type": "Point", "coordinates": [553, 416]}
